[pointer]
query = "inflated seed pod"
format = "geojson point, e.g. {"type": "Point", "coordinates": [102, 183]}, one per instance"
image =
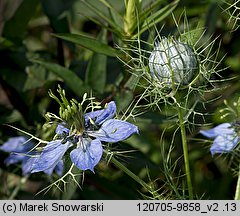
{"type": "Point", "coordinates": [172, 60]}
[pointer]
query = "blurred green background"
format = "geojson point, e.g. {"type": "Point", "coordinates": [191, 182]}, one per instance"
{"type": "Point", "coordinates": [33, 60]}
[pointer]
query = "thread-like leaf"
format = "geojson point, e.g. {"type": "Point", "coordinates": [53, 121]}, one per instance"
{"type": "Point", "coordinates": [158, 16]}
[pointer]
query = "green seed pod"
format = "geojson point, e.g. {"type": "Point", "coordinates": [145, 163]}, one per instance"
{"type": "Point", "coordinates": [173, 60]}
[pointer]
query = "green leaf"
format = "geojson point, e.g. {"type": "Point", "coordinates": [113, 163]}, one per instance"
{"type": "Point", "coordinates": [36, 77]}
{"type": "Point", "coordinates": [124, 98]}
{"type": "Point", "coordinates": [68, 76]}
{"type": "Point", "coordinates": [192, 36]}
{"type": "Point", "coordinates": [97, 68]}
{"type": "Point", "coordinates": [145, 13]}
{"type": "Point", "coordinates": [89, 43]}
{"type": "Point", "coordinates": [114, 14]}
{"type": "Point", "coordinates": [156, 17]}
{"type": "Point", "coordinates": [96, 21]}
{"type": "Point", "coordinates": [57, 7]}
{"type": "Point", "coordinates": [9, 75]}
{"type": "Point", "coordinates": [5, 43]}
{"type": "Point", "coordinates": [130, 18]}
{"type": "Point", "coordinates": [54, 10]}
{"type": "Point", "coordinates": [103, 16]}
{"type": "Point", "coordinates": [212, 17]}
{"type": "Point", "coordinates": [126, 95]}
{"type": "Point", "coordinates": [159, 15]}
{"type": "Point", "coordinates": [16, 26]}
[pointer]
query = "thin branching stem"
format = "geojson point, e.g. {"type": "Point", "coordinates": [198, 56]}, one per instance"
{"type": "Point", "coordinates": [183, 132]}
{"type": "Point", "coordinates": [237, 192]}
{"type": "Point", "coordinates": [185, 152]}
{"type": "Point", "coordinates": [148, 187]}
{"type": "Point", "coordinates": [17, 188]}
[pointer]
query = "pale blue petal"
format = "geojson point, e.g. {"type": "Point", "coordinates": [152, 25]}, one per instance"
{"type": "Point", "coordinates": [51, 155]}
{"type": "Point", "coordinates": [19, 148]}
{"type": "Point", "coordinates": [58, 169]}
{"type": "Point", "coordinates": [92, 115]}
{"type": "Point", "coordinates": [14, 158]}
{"type": "Point", "coordinates": [61, 129]}
{"type": "Point", "coordinates": [27, 164]}
{"type": "Point", "coordinates": [224, 128]}
{"type": "Point", "coordinates": [100, 116]}
{"type": "Point", "coordinates": [114, 130]}
{"type": "Point", "coordinates": [224, 143]}
{"type": "Point", "coordinates": [25, 159]}
{"type": "Point", "coordinates": [88, 158]}
{"type": "Point", "coordinates": [17, 144]}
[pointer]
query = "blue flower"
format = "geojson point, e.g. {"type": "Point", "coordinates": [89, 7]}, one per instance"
{"type": "Point", "coordinates": [98, 126]}
{"type": "Point", "coordinates": [21, 150]}
{"type": "Point", "coordinates": [62, 130]}
{"type": "Point", "coordinates": [225, 138]}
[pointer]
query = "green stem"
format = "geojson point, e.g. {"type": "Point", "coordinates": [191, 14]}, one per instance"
{"type": "Point", "coordinates": [17, 188]}
{"type": "Point", "coordinates": [135, 177]}
{"type": "Point", "coordinates": [183, 133]}
{"type": "Point", "coordinates": [237, 192]}
{"type": "Point", "coordinates": [185, 153]}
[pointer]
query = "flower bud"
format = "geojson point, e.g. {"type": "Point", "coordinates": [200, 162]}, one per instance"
{"type": "Point", "coordinates": [173, 60]}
